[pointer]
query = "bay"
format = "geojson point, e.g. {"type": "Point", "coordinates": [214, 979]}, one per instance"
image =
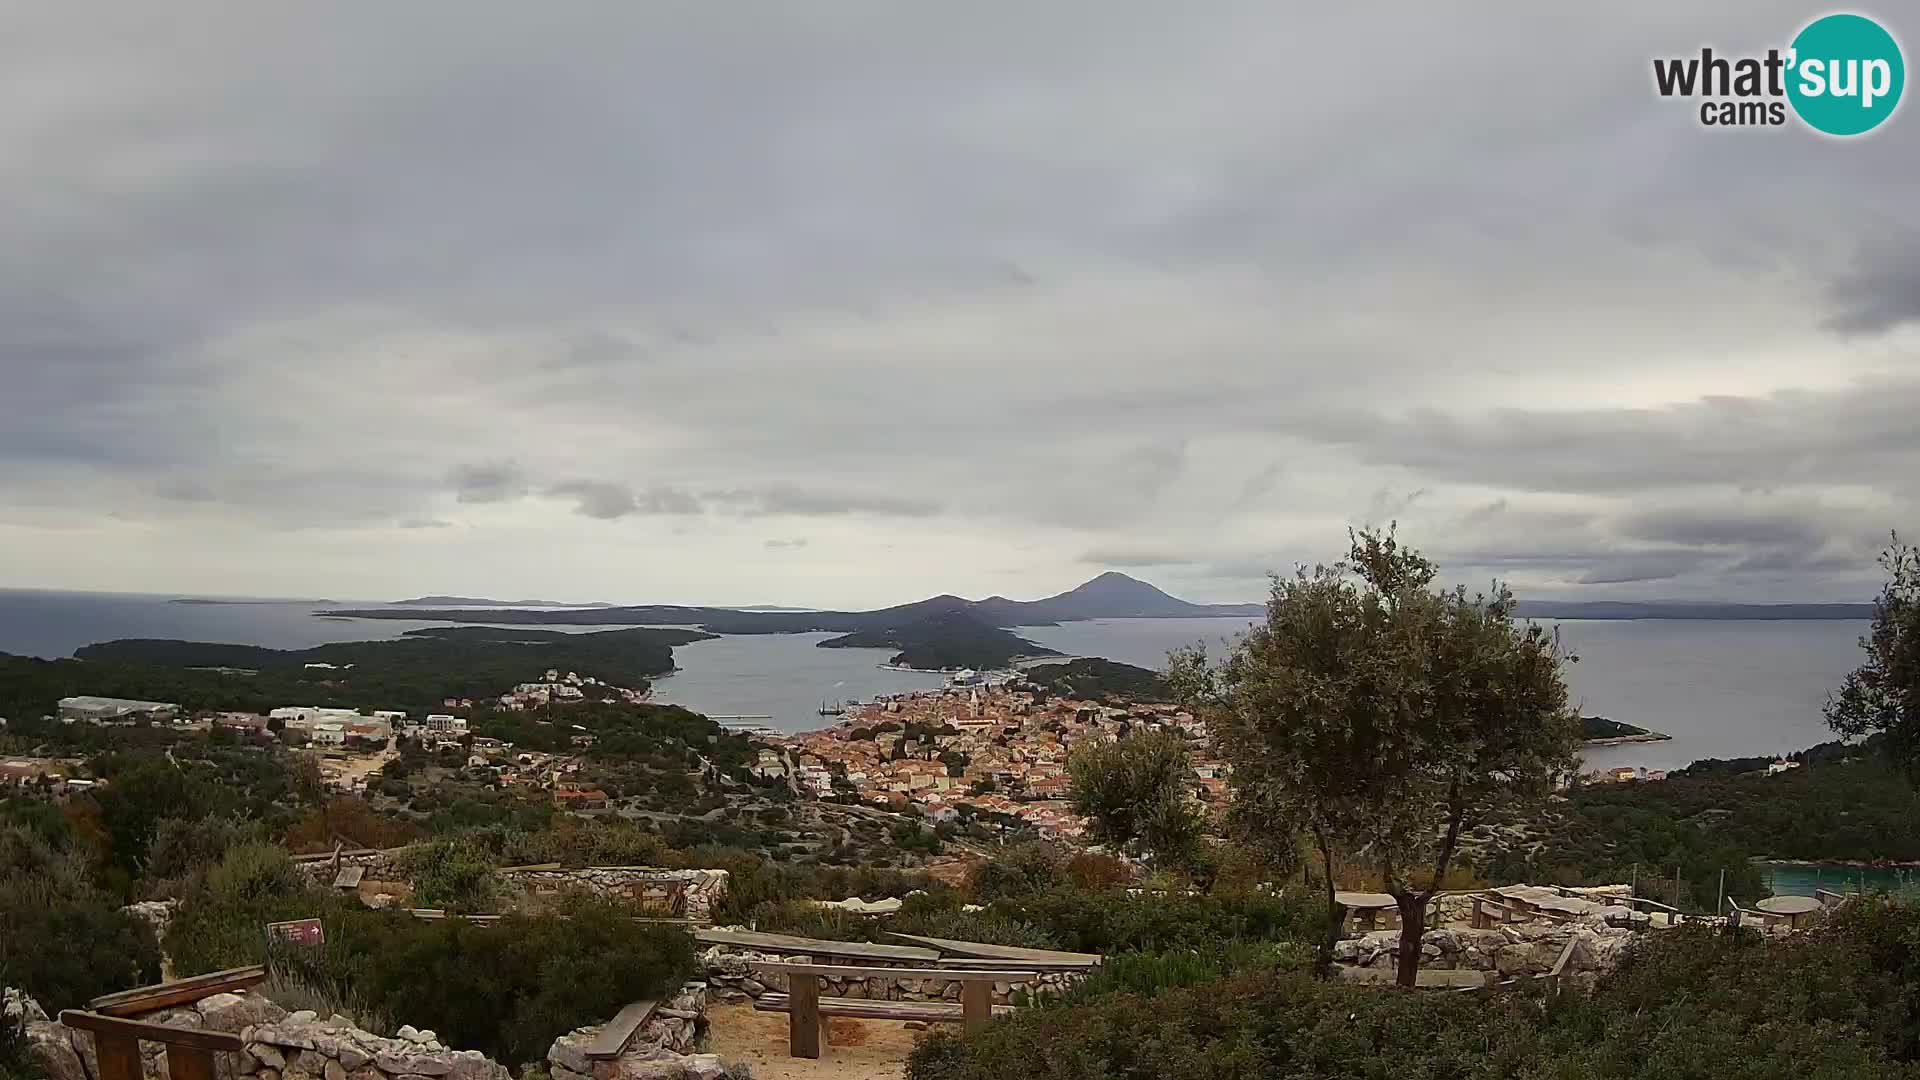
{"type": "Point", "coordinates": [1720, 688]}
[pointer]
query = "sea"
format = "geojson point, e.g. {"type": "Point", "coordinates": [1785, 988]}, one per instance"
{"type": "Point", "coordinates": [1719, 688]}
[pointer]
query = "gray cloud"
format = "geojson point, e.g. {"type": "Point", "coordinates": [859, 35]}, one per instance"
{"type": "Point", "coordinates": [597, 498]}
{"type": "Point", "coordinates": [981, 293]}
{"type": "Point", "coordinates": [796, 542]}
{"type": "Point", "coordinates": [489, 482]}
{"type": "Point", "coordinates": [425, 523]}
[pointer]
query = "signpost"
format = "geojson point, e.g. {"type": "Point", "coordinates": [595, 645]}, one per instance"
{"type": "Point", "coordinates": [295, 932]}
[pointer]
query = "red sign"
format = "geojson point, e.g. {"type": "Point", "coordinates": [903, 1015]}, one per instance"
{"type": "Point", "coordinates": [296, 932]}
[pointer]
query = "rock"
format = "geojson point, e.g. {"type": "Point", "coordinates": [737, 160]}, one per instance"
{"type": "Point", "coordinates": [304, 1016]}
{"type": "Point", "coordinates": [915, 1025]}
{"type": "Point", "coordinates": [236, 1012]}
{"type": "Point", "coordinates": [704, 1067]}
{"type": "Point", "coordinates": [561, 1072]}
{"type": "Point", "coordinates": [268, 1074]}
{"type": "Point", "coordinates": [408, 1032]}
{"type": "Point", "coordinates": [352, 1058]}
{"type": "Point", "coordinates": [267, 1055]}
{"type": "Point", "coordinates": [51, 1046]}
{"type": "Point", "coordinates": [333, 1070]}
{"type": "Point", "coordinates": [416, 1064]}
{"type": "Point", "coordinates": [569, 1051]}
{"type": "Point", "coordinates": [426, 1036]}
{"type": "Point", "coordinates": [17, 1006]}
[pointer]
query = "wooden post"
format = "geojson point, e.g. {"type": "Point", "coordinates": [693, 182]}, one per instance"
{"type": "Point", "coordinates": [1676, 893]}
{"type": "Point", "coordinates": [1720, 904]}
{"type": "Point", "coordinates": [119, 1056]}
{"type": "Point", "coordinates": [976, 1003]}
{"type": "Point", "coordinates": [189, 1063]}
{"type": "Point", "coordinates": [1633, 887]}
{"type": "Point", "coordinates": [803, 1018]}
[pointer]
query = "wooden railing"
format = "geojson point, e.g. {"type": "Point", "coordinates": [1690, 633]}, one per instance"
{"type": "Point", "coordinates": [116, 1045]}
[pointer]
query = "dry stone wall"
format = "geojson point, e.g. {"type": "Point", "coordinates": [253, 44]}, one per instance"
{"type": "Point", "coordinates": [699, 890]}
{"type": "Point", "coordinates": [1518, 949]}
{"type": "Point", "coordinates": [731, 980]}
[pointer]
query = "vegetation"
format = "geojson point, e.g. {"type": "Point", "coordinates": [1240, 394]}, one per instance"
{"type": "Point", "coordinates": [943, 641]}
{"type": "Point", "coordinates": [1136, 793]}
{"type": "Point", "coordinates": [1688, 1004]}
{"type": "Point", "coordinates": [1091, 678]}
{"type": "Point", "coordinates": [1882, 696]}
{"type": "Point", "coordinates": [1378, 717]}
{"type": "Point", "coordinates": [63, 939]}
{"type": "Point", "coordinates": [1846, 803]}
{"type": "Point", "coordinates": [1599, 727]}
{"type": "Point", "coordinates": [414, 672]}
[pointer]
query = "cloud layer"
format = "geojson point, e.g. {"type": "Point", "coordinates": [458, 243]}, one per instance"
{"type": "Point", "coordinates": [855, 302]}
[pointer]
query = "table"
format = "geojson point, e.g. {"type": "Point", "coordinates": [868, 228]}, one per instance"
{"type": "Point", "coordinates": [1367, 905]}
{"type": "Point", "coordinates": [1790, 908]}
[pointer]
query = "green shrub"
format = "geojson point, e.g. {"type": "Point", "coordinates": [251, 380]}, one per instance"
{"type": "Point", "coordinates": [455, 874]}
{"type": "Point", "coordinates": [62, 939]}
{"type": "Point", "coordinates": [1119, 920]}
{"type": "Point", "coordinates": [182, 848]}
{"type": "Point", "coordinates": [1021, 870]}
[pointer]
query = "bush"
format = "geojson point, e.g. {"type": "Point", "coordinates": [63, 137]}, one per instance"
{"type": "Point", "coordinates": [62, 939]}
{"type": "Point", "coordinates": [507, 988]}
{"type": "Point", "coordinates": [1120, 920]}
{"type": "Point", "coordinates": [182, 848]}
{"type": "Point", "coordinates": [1021, 870]}
{"type": "Point", "coordinates": [455, 874]}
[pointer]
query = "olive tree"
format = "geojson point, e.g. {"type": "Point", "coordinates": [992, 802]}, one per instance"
{"type": "Point", "coordinates": [1380, 717]}
{"type": "Point", "coordinates": [1882, 695]}
{"type": "Point", "coordinates": [1137, 791]}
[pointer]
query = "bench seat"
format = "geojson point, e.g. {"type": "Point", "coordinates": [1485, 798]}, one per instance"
{"type": "Point", "coordinates": [941, 1012]}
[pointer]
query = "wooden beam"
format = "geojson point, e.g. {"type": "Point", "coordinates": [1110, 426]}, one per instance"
{"type": "Point", "coordinates": [790, 945]}
{"type": "Point", "coordinates": [198, 1038]}
{"type": "Point", "coordinates": [997, 952]}
{"type": "Point", "coordinates": [147, 999]}
{"type": "Point", "coordinates": [840, 971]}
{"type": "Point", "coordinates": [613, 1037]}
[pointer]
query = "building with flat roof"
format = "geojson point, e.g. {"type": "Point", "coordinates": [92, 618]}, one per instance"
{"type": "Point", "coordinates": [103, 710]}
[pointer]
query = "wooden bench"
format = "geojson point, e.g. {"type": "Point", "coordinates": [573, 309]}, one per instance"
{"type": "Point", "coordinates": [808, 1012]}
{"type": "Point", "coordinates": [146, 999]}
{"type": "Point", "coordinates": [788, 945]}
{"type": "Point", "coordinates": [116, 1045]}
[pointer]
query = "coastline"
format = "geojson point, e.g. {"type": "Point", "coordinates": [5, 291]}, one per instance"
{"type": "Point", "coordinates": [1624, 740]}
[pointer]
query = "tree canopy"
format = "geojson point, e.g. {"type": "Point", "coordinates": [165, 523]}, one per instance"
{"type": "Point", "coordinates": [1381, 716]}
{"type": "Point", "coordinates": [1882, 695]}
{"type": "Point", "coordinates": [1136, 791]}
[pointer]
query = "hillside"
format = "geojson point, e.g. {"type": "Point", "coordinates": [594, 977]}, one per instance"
{"type": "Point", "coordinates": [944, 640]}
{"type": "Point", "coordinates": [412, 672]}
{"type": "Point", "coordinates": [1095, 679]}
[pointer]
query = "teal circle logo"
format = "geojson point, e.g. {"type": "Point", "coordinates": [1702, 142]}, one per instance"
{"type": "Point", "coordinates": [1846, 74]}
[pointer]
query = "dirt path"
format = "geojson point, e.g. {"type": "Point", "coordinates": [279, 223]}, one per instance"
{"type": "Point", "coordinates": [859, 1050]}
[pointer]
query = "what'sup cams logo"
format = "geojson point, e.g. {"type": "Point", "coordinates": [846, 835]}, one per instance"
{"type": "Point", "coordinates": [1842, 76]}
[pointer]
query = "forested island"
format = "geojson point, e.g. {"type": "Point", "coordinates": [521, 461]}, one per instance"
{"type": "Point", "coordinates": [944, 641]}
{"type": "Point", "coordinates": [414, 671]}
{"type": "Point", "coordinates": [1099, 679]}
{"type": "Point", "coordinates": [1600, 731]}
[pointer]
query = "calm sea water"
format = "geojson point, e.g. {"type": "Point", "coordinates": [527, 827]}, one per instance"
{"type": "Point", "coordinates": [1721, 689]}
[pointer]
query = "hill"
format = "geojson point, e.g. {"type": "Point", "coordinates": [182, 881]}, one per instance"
{"type": "Point", "coordinates": [1109, 596]}
{"type": "Point", "coordinates": [943, 640]}
{"type": "Point", "coordinates": [1095, 679]}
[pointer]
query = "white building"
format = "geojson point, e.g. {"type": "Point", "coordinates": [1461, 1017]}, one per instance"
{"type": "Point", "coordinates": [327, 732]}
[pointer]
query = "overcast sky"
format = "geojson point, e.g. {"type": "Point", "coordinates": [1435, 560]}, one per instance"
{"type": "Point", "coordinates": [848, 303]}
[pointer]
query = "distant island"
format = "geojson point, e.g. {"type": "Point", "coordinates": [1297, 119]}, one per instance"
{"type": "Point", "coordinates": [1093, 678]}
{"type": "Point", "coordinates": [1688, 609]}
{"type": "Point", "coordinates": [212, 602]}
{"type": "Point", "coordinates": [943, 641]}
{"type": "Point", "coordinates": [479, 601]}
{"type": "Point", "coordinates": [1600, 731]}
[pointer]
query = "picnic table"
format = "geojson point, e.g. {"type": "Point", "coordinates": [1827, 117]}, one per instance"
{"type": "Point", "coordinates": [1790, 908]}
{"type": "Point", "coordinates": [1366, 906]}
